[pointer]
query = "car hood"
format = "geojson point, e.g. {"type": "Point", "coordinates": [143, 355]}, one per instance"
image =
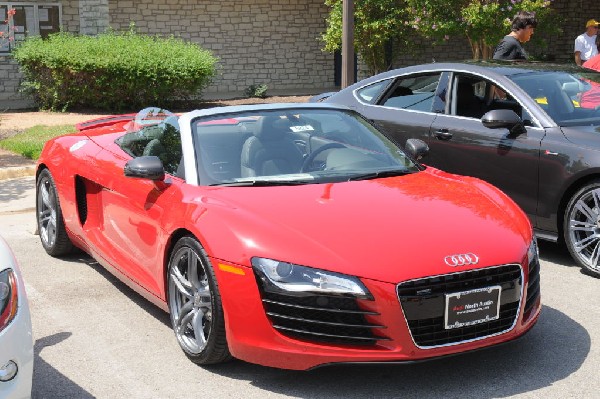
{"type": "Point", "coordinates": [388, 229]}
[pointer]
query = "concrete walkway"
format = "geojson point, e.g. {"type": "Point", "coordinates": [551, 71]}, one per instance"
{"type": "Point", "coordinates": [17, 183]}
{"type": "Point", "coordinates": [17, 195]}
{"type": "Point", "coordinates": [13, 165]}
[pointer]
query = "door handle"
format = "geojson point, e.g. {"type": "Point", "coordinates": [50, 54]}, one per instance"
{"type": "Point", "coordinates": [443, 134]}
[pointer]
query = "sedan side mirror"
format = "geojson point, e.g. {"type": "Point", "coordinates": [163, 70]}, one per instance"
{"type": "Point", "coordinates": [504, 118]}
{"type": "Point", "coordinates": [416, 148]}
{"type": "Point", "coordinates": [146, 167]}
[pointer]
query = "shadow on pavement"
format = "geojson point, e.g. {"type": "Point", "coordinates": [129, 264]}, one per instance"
{"type": "Point", "coordinates": [17, 190]}
{"type": "Point", "coordinates": [49, 382]}
{"type": "Point", "coordinates": [550, 352]}
{"type": "Point", "coordinates": [558, 253]}
{"type": "Point", "coordinates": [139, 300]}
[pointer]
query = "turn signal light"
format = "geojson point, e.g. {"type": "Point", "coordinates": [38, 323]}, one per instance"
{"type": "Point", "coordinates": [8, 297]}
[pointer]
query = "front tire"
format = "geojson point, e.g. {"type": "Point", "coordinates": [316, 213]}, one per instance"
{"type": "Point", "coordinates": [195, 304]}
{"type": "Point", "coordinates": [50, 223]}
{"type": "Point", "coordinates": [582, 228]}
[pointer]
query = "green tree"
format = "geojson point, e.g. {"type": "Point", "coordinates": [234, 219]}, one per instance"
{"type": "Point", "coordinates": [483, 22]}
{"type": "Point", "coordinates": [377, 24]}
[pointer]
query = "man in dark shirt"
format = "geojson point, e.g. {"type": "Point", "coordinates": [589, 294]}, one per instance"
{"type": "Point", "coordinates": [510, 47]}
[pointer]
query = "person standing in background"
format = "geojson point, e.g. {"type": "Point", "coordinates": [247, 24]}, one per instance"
{"type": "Point", "coordinates": [585, 44]}
{"type": "Point", "coordinates": [510, 47]}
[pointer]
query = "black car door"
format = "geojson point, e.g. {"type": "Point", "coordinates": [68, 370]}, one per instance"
{"type": "Point", "coordinates": [461, 144]}
{"type": "Point", "coordinates": [407, 107]}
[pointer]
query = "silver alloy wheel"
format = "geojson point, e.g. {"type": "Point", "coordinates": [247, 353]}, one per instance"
{"type": "Point", "coordinates": [46, 212]}
{"type": "Point", "coordinates": [190, 300]}
{"type": "Point", "coordinates": [584, 229]}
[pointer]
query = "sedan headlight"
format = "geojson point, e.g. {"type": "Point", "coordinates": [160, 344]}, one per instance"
{"type": "Point", "coordinates": [298, 280]}
{"type": "Point", "coordinates": [8, 297]}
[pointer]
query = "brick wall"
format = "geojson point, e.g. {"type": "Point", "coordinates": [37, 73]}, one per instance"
{"type": "Point", "coordinates": [559, 46]}
{"type": "Point", "coordinates": [10, 98]}
{"type": "Point", "coordinates": [272, 42]}
{"type": "Point", "coordinates": [96, 16]}
{"type": "Point", "coordinates": [575, 14]}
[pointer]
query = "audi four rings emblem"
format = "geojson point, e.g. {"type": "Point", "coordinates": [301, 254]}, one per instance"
{"type": "Point", "coordinates": [461, 259]}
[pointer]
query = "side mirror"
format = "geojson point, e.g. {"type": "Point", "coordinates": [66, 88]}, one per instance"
{"type": "Point", "coordinates": [146, 167]}
{"type": "Point", "coordinates": [416, 148]}
{"type": "Point", "coordinates": [504, 118]}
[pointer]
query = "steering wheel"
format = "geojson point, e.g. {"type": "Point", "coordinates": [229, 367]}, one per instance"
{"type": "Point", "coordinates": [311, 157]}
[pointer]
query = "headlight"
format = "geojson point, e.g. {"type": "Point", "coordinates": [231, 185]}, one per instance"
{"type": "Point", "coordinates": [8, 297]}
{"type": "Point", "coordinates": [294, 279]}
{"type": "Point", "coordinates": [533, 252]}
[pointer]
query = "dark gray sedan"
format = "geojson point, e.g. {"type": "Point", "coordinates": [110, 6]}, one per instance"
{"type": "Point", "coordinates": [531, 129]}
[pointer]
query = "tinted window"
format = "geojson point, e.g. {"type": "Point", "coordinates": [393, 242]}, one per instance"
{"type": "Point", "coordinates": [473, 96]}
{"type": "Point", "coordinates": [413, 92]}
{"type": "Point", "coordinates": [371, 93]}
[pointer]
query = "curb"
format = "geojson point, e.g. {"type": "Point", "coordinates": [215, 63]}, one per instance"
{"type": "Point", "coordinates": [16, 171]}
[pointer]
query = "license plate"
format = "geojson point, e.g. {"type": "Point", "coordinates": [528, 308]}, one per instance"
{"type": "Point", "coordinates": [472, 307]}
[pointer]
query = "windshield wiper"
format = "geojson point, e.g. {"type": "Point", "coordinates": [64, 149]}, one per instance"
{"type": "Point", "coordinates": [263, 183]}
{"type": "Point", "coordinates": [380, 173]}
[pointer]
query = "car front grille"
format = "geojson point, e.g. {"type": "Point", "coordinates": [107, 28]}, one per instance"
{"type": "Point", "coordinates": [423, 303]}
{"type": "Point", "coordinates": [320, 318]}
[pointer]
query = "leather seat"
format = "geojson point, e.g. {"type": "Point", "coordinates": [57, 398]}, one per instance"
{"type": "Point", "coordinates": [166, 144]}
{"type": "Point", "coordinates": [271, 149]}
{"type": "Point", "coordinates": [467, 104]}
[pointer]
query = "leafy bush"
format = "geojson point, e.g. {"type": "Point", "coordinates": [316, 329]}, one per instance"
{"type": "Point", "coordinates": [112, 71]}
{"type": "Point", "coordinates": [259, 91]}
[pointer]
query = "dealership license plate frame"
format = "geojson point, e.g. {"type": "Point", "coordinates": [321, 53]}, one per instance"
{"type": "Point", "coordinates": [468, 308]}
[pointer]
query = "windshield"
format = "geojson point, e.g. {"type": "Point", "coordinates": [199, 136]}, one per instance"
{"type": "Point", "coordinates": [293, 146]}
{"type": "Point", "coordinates": [570, 99]}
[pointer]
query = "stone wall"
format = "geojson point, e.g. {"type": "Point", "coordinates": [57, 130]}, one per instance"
{"type": "Point", "coordinates": [575, 14]}
{"type": "Point", "coordinates": [94, 16]}
{"type": "Point", "coordinates": [10, 77]}
{"type": "Point", "coordinates": [272, 42]}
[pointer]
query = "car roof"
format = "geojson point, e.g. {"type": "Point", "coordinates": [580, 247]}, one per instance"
{"type": "Point", "coordinates": [506, 68]}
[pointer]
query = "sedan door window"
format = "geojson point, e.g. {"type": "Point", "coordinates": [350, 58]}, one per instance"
{"type": "Point", "coordinates": [413, 93]}
{"type": "Point", "coordinates": [370, 94]}
{"type": "Point", "coordinates": [473, 96]}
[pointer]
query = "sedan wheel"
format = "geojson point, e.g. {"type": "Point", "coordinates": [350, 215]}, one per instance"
{"type": "Point", "coordinates": [49, 217]}
{"type": "Point", "coordinates": [195, 304]}
{"type": "Point", "coordinates": [582, 228]}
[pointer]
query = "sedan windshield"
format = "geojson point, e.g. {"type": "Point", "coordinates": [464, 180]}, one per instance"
{"type": "Point", "coordinates": [293, 146]}
{"type": "Point", "coordinates": [570, 99]}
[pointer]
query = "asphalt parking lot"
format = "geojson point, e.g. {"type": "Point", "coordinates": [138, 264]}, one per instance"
{"type": "Point", "coordinates": [96, 338]}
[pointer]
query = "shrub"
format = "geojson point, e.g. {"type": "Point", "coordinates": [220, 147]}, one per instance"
{"type": "Point", "coordinates": [259, 91]}
{"type": "Point", "coordinates": [112, 71]}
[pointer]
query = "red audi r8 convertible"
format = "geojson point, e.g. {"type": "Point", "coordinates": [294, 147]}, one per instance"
{"type": "Point", "coordinates": [291, 235]}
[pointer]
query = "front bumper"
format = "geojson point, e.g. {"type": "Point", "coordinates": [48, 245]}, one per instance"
{"type": "Point", "coordinates": [252, 337]}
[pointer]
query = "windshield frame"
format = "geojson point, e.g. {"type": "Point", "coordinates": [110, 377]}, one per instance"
{"type": "Point", "coordinates": [377, 150]}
